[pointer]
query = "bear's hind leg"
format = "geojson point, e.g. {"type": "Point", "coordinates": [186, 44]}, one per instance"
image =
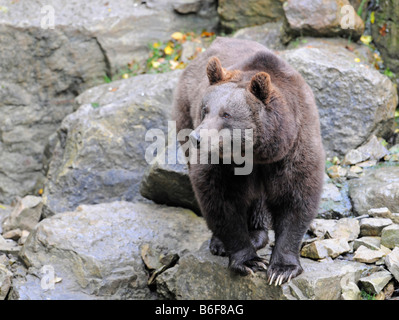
{"type": "Point", "coordinates": [258, 224]}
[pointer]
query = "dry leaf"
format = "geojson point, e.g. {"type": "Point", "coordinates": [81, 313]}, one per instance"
{"type": "Point", "coordinates": [177, 36]}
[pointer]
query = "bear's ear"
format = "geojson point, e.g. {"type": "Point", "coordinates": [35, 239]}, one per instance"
{"type": "Point", "coordinates": [261, 86]}
{"type": "Point", "coordinates": [214, 70]}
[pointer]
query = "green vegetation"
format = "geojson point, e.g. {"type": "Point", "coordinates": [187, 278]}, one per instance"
{"type": "Point", "coordinates": [367, 296]}
{"type": "Point", "coordinates": [164, 56]}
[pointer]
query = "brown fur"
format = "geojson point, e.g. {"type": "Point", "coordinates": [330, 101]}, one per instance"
{"type": "Point", "coordinates": [263, 93]}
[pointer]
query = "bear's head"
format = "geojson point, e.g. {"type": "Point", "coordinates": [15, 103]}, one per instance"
{"type": "Point", "coordinates": [245, 102]}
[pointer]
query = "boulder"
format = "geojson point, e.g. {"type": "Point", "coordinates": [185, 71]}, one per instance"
{"type": "Point", "coordinates": [100, 149]}
{"type": "Point", "coordinates": [345, 228]}
{"type": "Point", "coordinates": [378, 187]}
{"type": "Point", "coordinates": [203, 276]}
{"type": "Point", "coordinates": [373, 243]}
{"type": "Point", "coordinates": [380, 213]}
{"type": "Point", "coordinates": [375, 282]}
{"type": "Point", "coordinates": [366, 255]}
{"type": "Point", "coordinates": [42, 71]}
{"type": "Point", "coordinates": [237, 14]}
{"type": "Point", "coordinates": [321, 249]}
{"type": "Point", "coordinates": [390, 236]}
{"type": "Point", "coordinates": [323, 18]}
{"type": "Point", "coordinates": [268, 34]}
{"type": "Point", "coordinates": [97, 250]}
{"type": "Point", "coordinates": [373, 226]}
{"type": "Point", "coordinates": [169, 184]}
{"type": "Point", "coordinates": [372, 150]}
{"type": "Point", "coordinates": [8, 246]}
{"type": "Point", "coordinates": [26, 214]}
{"type": "Point", "coordinates": [354, 100]}
{"type": "Point", "coordinates": [45, 67]}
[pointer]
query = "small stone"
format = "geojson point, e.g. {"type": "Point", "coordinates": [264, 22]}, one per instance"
{"type": "Point", "coordinates": [392, 262]}
{"type": "Point", "coordinates": [187, 6]}
{"type": "Point", "coordinates": [390, 236]}
{"type": "Point", "coordinates": [26, 214]}
{"type": "Point", "coordinates": [320, 227]}
{"type": "Point", "coordinates": [389, 290]}
{"type": "Point", "coordinates": [5, 281]}
{"type": "Point", "coordinates": [345, 228]}
{"type": "Point", "coordinates": [373, 226]}
{"type": "Point", "coordinates": [14, 234]}
{"type": "Point", "coordinates": [380, 213]}
{"type": "Point", "coordinates": [150, 257]}
{"type": "Point", "coordinates": [353, 157]}
{"type": "Point", "coordinates": [395, 218]}
{"type": "Point", "coordinates": [367, 164]}
{"type": "Point", "coordinates": [24, 236]}
{"type": "Point", "coordinates": [366, 255]}
{"type": "Point", "coordinates": [8, 246]}
{"type": "Point", "coordinates": [321, 249]}
{"type": "Point", "coordinates": [336, 172]}
{"type": "Point", "coordinates": [372, 243]}
{"type": "Point", "coordinates": [350, 291]}
{"type": "Point", "coordinates": [373, 149]}
{"type": "Point", "coordinates": [356, 169]}
{"type": "Point", "coordinates": [375, 282]}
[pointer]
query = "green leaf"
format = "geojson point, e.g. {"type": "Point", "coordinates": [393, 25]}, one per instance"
{"type": "Point", "coordinates": [95, 105]}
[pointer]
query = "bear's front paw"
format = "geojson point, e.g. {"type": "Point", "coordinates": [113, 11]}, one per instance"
{"type": "Point", "coordinates": [245, 263]}
{"type": "Point", "coordinates": [280, 273]}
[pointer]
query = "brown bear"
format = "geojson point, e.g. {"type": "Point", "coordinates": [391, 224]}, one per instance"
{"type": "Point", "coordinates": [241, 84]}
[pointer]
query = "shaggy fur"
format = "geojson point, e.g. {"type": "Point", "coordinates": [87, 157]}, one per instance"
{"type": "Point", "coordinates": [259, 91]}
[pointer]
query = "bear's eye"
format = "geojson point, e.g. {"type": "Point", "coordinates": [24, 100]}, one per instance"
{"type": "Point", "coordinates": [226, 115]}
{"type": "Point", "coordinates": [204, 111]}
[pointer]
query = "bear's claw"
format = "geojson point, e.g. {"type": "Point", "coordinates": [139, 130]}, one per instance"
{"type": "Point", "coordinates": [282, 274]}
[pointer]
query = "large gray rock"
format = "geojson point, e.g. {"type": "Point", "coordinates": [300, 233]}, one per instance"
{"type": "Point", "coordinates": [43, 69]}
{"type": "Point", "coordinates": [200, 275]}
{"type": "Point", "coordinates": [236, 14]}
{"type": "Point", "coordinates": [100, 151]}
{"type": "Point", "coordinates": [123, 29]}
{"type": "Point", "coordinates": [354, 100]}
{"type": "Point", "coordinates": [268, 34]}
{"type": "Point", "coordinates": [320, 18]}
{"type": "Point", "coordinates": [169, 184]}
{"type": "Point", "coordinates": [96, 251]}
{"type": "Point", "coordinates": [377, 188]}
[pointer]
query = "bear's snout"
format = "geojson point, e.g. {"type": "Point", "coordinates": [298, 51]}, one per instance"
{"type": "Point", "coordinates": [195, 139]}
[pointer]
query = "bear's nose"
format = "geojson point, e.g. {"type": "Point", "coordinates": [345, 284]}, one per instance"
{"type": "Point", "coordinates": [195, 139]}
